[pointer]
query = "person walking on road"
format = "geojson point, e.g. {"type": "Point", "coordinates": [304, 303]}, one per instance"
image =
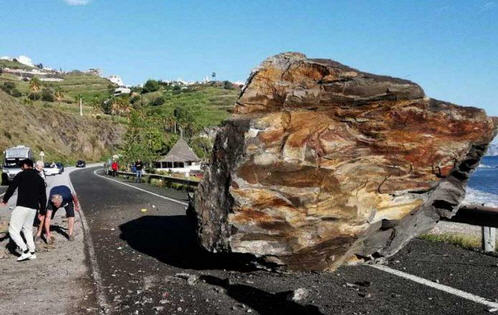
{"type": "Point", "coordinates": [31, 195]}
{"type": "Point", "coordinates": [139, 165]}
{"type": "Point", "coordinates": [114, 168]}
{"type": "Point", "coordinates": [61, 197]}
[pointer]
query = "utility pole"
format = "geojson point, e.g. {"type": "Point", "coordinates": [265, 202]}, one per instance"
{"type": "Point", "coordinates": [81, 107]}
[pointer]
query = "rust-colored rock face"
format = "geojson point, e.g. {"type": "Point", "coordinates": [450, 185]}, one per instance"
{"type": "Point", "coordinates": [323, 164]}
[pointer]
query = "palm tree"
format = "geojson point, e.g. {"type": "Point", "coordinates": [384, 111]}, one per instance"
{"type": "Point", "coordinates": [34, 84]}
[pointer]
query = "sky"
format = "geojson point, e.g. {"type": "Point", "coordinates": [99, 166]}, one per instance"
{"type": "Point", "coordinates": [449, 47]}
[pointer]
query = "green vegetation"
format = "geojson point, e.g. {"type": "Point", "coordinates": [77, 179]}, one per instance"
{"type": "Point", "coordinates": [151, 86]}
{"type": "Point", "coordinates": [13, 65]}
{"type": "Point", "coordinates": [177, 109]}
{"type": "Point", "coordinates": [461, 240]}
{"type": "Point", "coordinates": [156, 114]}
{"type": "Point", "coordinates": [63, 135]}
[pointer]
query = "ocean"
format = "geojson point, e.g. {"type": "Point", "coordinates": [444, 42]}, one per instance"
{"type": "Point", "coordinates": [483, 184]}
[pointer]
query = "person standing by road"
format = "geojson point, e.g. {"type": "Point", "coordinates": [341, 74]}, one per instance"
{"type": "Point", "coordinates": [114, 168]}
{"type": "Point", "coordinates": [31, 195]}
{"type": "Point", "coordinates": [41, 215]}
{"type": "Point", "coordinates": [61, 197]}
{"type": "Point", "coordinates": [39, 168]}
{"type": "Point", "coordinates": [139, 165]}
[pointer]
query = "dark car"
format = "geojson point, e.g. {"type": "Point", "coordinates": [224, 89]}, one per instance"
{"type": "Point", "coordinates": [80, 163]}
{"type": "Point", "coordinates": [60, 166]}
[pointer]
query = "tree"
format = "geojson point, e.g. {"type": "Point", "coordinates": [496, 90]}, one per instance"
{"type": "Point", "coordinates": [201, 146]}
{"type": "Point", "coordinates": [150, 86]}
{"type": "Point", "coordinates": [144, 138]}
{"type": "Point", "coordinates": [35, 84]}
{"type": "Point", "coordinates": [213, 75]}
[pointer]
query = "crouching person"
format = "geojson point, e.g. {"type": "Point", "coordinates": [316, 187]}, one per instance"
{"type": "Point", "coordinates": [31, 196]}
{"type": "Point", "coordinates": [61, 197]}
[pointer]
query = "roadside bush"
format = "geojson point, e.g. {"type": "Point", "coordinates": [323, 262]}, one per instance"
{"type": "Point", "coordinates": [158, 101]}
{"type": "Point", "coordinates": [34, 96]}
{"type": "Point", "coordinates": [47, 95]}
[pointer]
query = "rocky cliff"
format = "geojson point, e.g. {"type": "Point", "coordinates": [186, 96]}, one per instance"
{"type": "Point", "coordinates": [61, 135]}
{"type": "Point", "coordinates": [323, 164]}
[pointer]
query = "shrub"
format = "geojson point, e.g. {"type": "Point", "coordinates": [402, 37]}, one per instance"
{"type": "Point", "coordinates": [150, 86]}
{"type": "Point", "coordinates": [34, 96]}
{"type": "Point", "coordinates": [47, 95]}
{"type": "Point", "coordinates": [15, 92]}
{"type": "Point", "coordinates": [135, 99]}
{"type": "Point", "coordinates": [227, 85]}
{"type": "Point", "coordinates": [158, 101]}
{"type": "Point", "coordinates": [9, 85]}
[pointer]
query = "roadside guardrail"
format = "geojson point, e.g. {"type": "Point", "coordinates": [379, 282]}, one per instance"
{"type": "Point", "coordinates": [191, 184]}
{"type": "Point", "coordinates": [486, 217]}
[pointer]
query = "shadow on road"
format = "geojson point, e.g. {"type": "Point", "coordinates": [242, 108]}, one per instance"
{"type": "Point", "coordinates": [172, 240]}
{"type": "Point", "coordinates": [261, 301]}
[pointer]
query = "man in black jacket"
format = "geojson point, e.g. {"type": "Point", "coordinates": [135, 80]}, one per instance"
{"type": "Point", "coordinates": [31, 195]}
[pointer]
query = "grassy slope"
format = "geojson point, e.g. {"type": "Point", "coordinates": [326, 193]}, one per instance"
{"type": "Point", "coordinates": [210, 104]}
{"type": "Point", "coordinates": [62, 135]}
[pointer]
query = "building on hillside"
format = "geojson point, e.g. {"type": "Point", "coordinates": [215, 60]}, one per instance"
{"type": "Point", "coordinates": [116, 79]}
{"type": "Point", "coordinates": [95, 71]}
{"type": "Point", "coordinates": [180, 159]}
{"type": "Point", "coordinates": [25, 61]}
{"type": "Point", "coordinates": [121, 91]}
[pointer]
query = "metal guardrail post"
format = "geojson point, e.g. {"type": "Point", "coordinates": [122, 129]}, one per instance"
{"type": "Point", "coordinates": [488, 239]}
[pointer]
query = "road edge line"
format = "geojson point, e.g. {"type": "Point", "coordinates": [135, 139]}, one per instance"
{"type": "Point", "coordinates": [140, 189]}
{"type": "Point", "coordinates": [462, 294]}
{"type": "Point", "coordinates": [95, 270]}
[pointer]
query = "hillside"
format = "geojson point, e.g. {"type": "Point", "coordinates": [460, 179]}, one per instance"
{"type": "Point", "coordinates": [208, 104]}
{"type": "Point", "coordinates": [52, 97]}
{"type": "Point", "coordinates": [62, 135]}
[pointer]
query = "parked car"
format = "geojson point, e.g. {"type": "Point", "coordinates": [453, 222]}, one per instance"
{"type": "Point", "coordinates": [51, 169]}
{"type": "Point", "coordinates": [80, 163]}
{"type": "Point", "coordinates": [60, 166]}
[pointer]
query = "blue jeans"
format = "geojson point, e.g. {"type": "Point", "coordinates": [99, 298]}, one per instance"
{"type": "Point", "coordinates": [139, 176]}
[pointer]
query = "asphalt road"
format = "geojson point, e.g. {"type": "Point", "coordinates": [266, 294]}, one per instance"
{"type": "Point", "coordinates": [141, 256]}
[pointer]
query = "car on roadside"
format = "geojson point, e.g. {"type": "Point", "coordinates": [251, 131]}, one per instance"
{"type": "Point", "coordinates": [51, 169]}
{"type": "Point", "coordinates": [80, 163]}
{"type": "Point", "coordinates": [60, 166]}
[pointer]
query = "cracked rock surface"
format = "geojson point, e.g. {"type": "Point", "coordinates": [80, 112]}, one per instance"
{"type": "Point", "coordinates": [322, 164]}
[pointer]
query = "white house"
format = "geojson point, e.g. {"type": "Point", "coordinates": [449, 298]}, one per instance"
{"type": "Point", "coordinates": [121, 91]}
{"type": "Point", "coordinates": [180, 159]}
{"type": "Point", "coordinates": [116, 79]}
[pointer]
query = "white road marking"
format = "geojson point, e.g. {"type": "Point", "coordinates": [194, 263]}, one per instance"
{"type": "Point", "coordinates": [437, 286]}
{"type": "Point", "coordinates": [142, 190]}
{"type": "Point", "coordinates": [1, 195]}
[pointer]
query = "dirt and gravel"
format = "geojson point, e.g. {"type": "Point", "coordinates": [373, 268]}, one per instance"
{"type": "Point", "coordinates": [57, 281]}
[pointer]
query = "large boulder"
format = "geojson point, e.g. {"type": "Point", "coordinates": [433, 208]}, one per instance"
{"type": "Point", "coordinates": [322, 164]}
